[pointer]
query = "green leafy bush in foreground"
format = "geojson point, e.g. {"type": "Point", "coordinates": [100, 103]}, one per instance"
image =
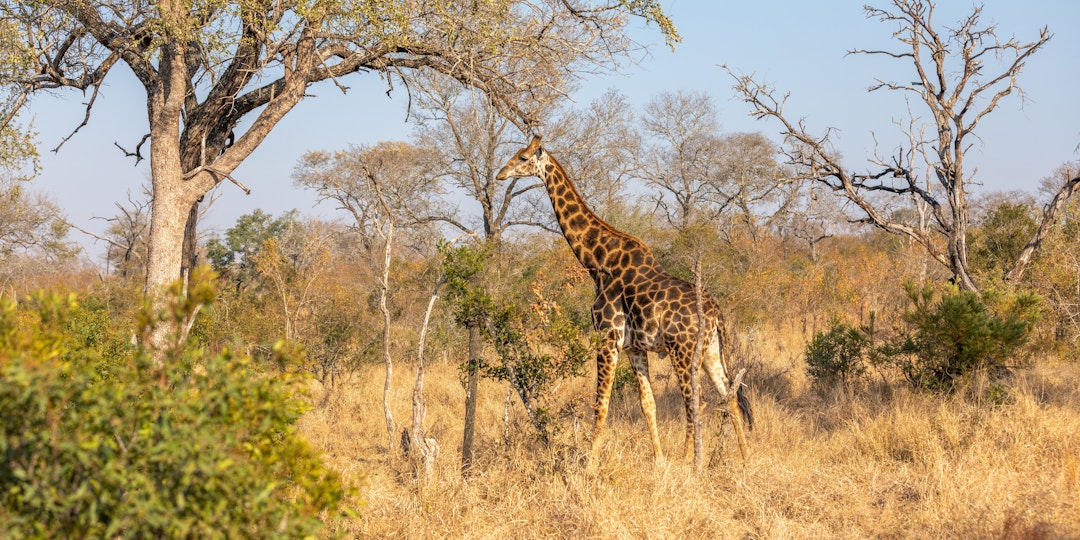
{"type": "Point", "coordinates": [199, 445]}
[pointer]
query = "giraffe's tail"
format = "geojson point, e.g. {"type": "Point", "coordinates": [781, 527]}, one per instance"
{"type": "Point", "coordinates": [744, 407]}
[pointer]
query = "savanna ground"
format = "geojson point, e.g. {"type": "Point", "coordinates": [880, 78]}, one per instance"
{"type": "Point", "coordinates": [880, 460]}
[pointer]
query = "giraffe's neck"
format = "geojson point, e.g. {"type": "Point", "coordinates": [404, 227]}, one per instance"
{"type": "Point", "coordinates": [591, 239]}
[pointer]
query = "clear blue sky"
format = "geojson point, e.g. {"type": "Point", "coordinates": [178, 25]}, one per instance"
{"type": "Point", "coordinates": [797, 46]}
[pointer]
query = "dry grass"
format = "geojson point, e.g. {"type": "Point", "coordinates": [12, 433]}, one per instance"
{"type": "Point", "coordinates": [879, 463]}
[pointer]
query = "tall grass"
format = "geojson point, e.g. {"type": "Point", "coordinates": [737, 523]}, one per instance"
{"type": "Point", "coordinates": [880, 462]}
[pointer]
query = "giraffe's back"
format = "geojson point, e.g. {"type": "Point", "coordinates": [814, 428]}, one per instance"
{"type": "Point", "coordinates": [662, 309]}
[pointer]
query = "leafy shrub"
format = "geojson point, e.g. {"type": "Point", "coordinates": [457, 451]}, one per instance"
{"type": "Point", "coordinates": [534, 355]}
{"type": "Point", "coordinates": [951, 334]}
{"type": "Point", "coordinates": [947, 336]}
{"type": "Point", "coordinates": [199, 445]}
{"type": "Point", "coordinates": [838, 355]}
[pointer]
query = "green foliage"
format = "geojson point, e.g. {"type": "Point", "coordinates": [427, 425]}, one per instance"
{"type": "Point", "coordinates": [537, 348]}
{"type": "Point", "coordinates": [462, 268]}
{"type": "Point", "coordinates": [624, 376]}
{"type": "Point", "coordinates": [652, 11]}
{"type": "Point", "coordinates": [946, 337]}
{"type": "Point", "coordinates": [18, 151]}
{"type": "Point", "coordinates": [234, 256]}
{"type": "Point", "coordinates": [839, 355]}
{"type": "Point", "coordinates": [951, 334]}
{"type": "Point", "coordinates": [537, 345]}
{"type": "Point", "coordinates": [199, 445]}
{"type": "Point", "coordinates": [1000, 237]}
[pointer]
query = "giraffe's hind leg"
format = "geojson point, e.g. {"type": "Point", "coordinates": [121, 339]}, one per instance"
{"type": "Point", "coordinates": [713, 362]}
{"type": "Point", "coordinates": [681, 362]}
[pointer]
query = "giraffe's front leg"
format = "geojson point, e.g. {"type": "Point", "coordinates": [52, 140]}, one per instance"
{"type": "Point", "coordinates": [606, 360]}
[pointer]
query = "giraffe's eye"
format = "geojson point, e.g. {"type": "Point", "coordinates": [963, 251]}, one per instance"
{"type": "Point", "coordinates": [523, 158]}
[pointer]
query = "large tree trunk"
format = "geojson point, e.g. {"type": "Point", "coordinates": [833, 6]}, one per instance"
{"type": "Point", "coordinates": [171, 195]}
{"type": "Point", "coordinates": [168, 218]}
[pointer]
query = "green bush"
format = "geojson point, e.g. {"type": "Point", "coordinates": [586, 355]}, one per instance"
{"type": "Point", "coordinates": [200, 445]}
{"type": "Point", "coordinates": [951, 334]}
{"type": "Point", "coordinates": [537, 349]}
{"type": "Point", "coordinates": [838, 355]}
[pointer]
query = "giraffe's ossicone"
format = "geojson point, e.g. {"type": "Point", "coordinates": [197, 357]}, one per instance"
{"type": "Point", "coordinates": [639, 306]}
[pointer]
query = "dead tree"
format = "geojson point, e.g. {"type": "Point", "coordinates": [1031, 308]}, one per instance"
{"type": "Point", "coordinates": [960, 75]}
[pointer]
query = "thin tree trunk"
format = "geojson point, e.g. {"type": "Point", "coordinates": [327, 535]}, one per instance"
{"type": "Point", "coordinates": [387, 359]}
{"type": "Point", "coordinates": [1048, 222]}
{"type": "Point", "coordinates": [695, 368]}
{"type": "Point", "coordinates": [506, 416]}
{"type": "Point", "coordinates": [470, 396]}
{"type": "Point", "coordinates": [426, 448]}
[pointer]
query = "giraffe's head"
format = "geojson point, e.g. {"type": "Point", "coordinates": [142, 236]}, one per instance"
{"type": "Point", "coordinates": [526, 162]}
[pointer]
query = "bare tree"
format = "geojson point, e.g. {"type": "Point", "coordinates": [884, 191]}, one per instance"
{"type": "Point", "coordinates": [128, 237]}
{"type": "Point", "coordinates": [682, 155]}
{"type": "Point", "coordinates": [1063, 184]}
{"type": "Point", "coordinates": [599, 144]}
{"type": "Point", "coordinates": [219, 76]}
{"type": "Point", "coordinates": [30, 222]}
{"type": "Point", "coordinates": [701, 174]}
{"type": "Point", "coordinates": [416, 443]}
{"type": "Point", "coordinates": [748, 181]}
{"type": "Point", "coordinates": [467, 136]}
{"type": "Point", "coordinates": [292, 266]}
{"type": "Point", "coordinates": [809, 217]}
{"type": "Point", "coordinates": [352, 179]}
{"type": "Point", "coordinates": [383, 187]}
{"type": "Point", "coordinates": [33, 235]}
{"type": "Point", "coordinates": [960, 75]}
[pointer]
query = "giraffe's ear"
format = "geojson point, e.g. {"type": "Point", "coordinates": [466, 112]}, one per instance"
{"type": "Point", "coordinates": [534, 145]}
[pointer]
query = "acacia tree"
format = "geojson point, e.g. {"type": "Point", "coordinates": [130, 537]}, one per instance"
{"type": "Point", "coordinates": [961, 75]}
{"type": "Point", "coordinates": [807, 218]}
{"type": "Point", "coordinates": [220, 75]}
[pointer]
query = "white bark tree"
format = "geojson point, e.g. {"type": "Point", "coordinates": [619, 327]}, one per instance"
{"type": "Point", "coordinates": [384, 188]}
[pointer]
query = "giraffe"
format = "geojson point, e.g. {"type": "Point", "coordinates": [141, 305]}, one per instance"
{"type": "Point", "coordinates": [639, 306]}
